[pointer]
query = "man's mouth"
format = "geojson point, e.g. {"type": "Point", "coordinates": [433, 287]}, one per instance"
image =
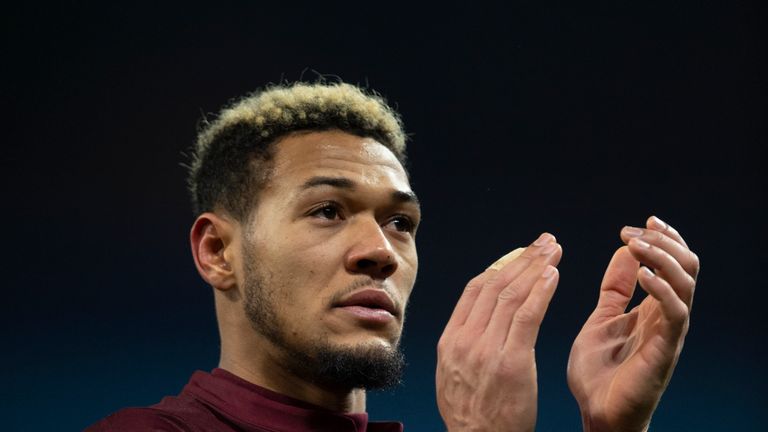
{"type": "Point", "coordinates": [369, 304]}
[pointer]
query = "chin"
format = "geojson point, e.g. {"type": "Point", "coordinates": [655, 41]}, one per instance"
{"type": "Point", "coordinates": [368, 342]}
{"type": "Point", "coordinates": [368, 364]}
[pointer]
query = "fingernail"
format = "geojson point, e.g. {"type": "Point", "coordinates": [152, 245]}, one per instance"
{"type": "Point", "coordinates": [543, 239]}
{"type": "Point", "coordinates": [548, 249]}
{"type": "Point", "coordinates": [548, 272]}
{"type": "Point", "coordinates": [659, 223]}
{"type": "Point", "coordinates": [632, 231]}
{"type": "Point", "coordinates": [646, 271]}
{"type": "Point", "coordinates": [641, 243]}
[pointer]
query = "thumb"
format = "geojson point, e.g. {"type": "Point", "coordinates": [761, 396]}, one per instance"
{"type": "Point", "coordinates": [618, 285]}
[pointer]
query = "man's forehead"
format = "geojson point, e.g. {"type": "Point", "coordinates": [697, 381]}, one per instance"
{"type": "Point", "coordinates": [338, 154]}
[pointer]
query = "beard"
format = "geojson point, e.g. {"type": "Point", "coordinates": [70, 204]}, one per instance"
{"type": "Point", "coordinates": [366, 366]}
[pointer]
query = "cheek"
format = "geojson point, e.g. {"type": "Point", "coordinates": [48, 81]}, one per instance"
{"type": "Point", "coordinates": [314, 263]}
{"type": "Point", "coordinates": [409, 261]}
{"type": "Point", "coordinates": [408, 271]}
{"type": "Point", "coordinates": [303, 276]}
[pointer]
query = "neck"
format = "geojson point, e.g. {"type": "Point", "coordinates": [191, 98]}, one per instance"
{"type": "Point", "coordinates": [268, 373]}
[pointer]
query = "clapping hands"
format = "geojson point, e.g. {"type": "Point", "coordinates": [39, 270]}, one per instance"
{"type": "Point", "coordinates": [620, 363]}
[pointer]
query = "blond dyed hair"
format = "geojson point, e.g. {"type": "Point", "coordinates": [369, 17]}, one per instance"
{"type": "Point", "coordinates": [231, 159]}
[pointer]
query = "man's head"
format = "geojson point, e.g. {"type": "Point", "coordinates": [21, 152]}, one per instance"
{"type": "Point", "coordinates": [233, 154]}
{"type": "Point", "coordinates": [309, 239]}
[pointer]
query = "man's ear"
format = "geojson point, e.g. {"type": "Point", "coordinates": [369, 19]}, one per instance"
{"type": "Point", "coordinates": [213, 247]}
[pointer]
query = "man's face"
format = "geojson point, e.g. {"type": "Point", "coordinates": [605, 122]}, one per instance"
{"type": "Point", "coordinates": [329, 254]}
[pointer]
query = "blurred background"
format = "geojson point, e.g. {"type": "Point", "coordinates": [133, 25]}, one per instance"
{"type": "Point", "coordinates": [572, 118]}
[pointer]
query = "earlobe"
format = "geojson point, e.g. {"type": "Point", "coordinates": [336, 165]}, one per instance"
{"type": "Point", "coordinates": [211, 239]}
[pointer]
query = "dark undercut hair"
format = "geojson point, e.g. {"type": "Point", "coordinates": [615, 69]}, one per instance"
{"type": "Point", "coordinates": [232, 158]}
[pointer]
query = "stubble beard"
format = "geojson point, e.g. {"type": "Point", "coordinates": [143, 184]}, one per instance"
{"type": "Point", "coordinates": [367, 366]}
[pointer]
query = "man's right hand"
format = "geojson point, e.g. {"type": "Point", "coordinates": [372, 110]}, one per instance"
{"type": "Point", "coordinates": [486, 368]}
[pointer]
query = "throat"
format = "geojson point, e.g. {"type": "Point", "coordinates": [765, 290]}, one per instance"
{"type": "Point", "coordinates": [269, 370]}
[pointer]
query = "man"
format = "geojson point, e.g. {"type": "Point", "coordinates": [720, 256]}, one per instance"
{"type": "Point", "coordinates": [306, 231]}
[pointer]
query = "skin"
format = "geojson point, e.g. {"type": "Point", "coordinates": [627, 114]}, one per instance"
{"type": "Point", "coordinates": [620, 363]}
{"type": "Point", "coordinates": [318, 239]}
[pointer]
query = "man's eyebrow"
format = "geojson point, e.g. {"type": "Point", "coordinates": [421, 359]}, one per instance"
{"type": "Point", "coordinates": [338, 182]}
{"type": "Point", "coordinates": [405, 197]}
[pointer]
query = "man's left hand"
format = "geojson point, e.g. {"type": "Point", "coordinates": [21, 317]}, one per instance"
{"type": "Point", "coordinates": [621, 362]}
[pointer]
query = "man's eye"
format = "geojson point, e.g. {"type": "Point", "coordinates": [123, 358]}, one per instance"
{"type": "Point", "coordinates": [402, 224]}
{"type": "Point", "coordinates": [328, 211]}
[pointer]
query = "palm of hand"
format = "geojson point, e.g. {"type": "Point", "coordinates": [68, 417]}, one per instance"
{"type": "Point", "coordinates": [621, 362]}
{"type": "Point", "coordinates": [615, 362]}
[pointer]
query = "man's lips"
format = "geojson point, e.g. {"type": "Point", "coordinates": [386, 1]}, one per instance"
{"type": "Point", "coordinates": [369, 298]}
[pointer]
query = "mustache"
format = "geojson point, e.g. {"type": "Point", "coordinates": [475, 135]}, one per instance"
{"type": "Point", "coordinates": [370, 283]}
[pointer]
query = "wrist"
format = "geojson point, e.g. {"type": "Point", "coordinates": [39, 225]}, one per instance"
{"type": "Point", "coordinates": [591, 423]}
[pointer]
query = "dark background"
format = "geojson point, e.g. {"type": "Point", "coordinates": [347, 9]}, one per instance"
{"type": "Point", "coordinates": [572, 118]}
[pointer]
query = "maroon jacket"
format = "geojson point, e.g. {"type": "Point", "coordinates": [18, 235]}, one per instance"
{"type": "Point", "coordinates": [220, 401]}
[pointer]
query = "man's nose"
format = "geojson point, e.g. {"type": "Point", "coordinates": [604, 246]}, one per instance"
{"type": "Point", "coordinates": [371, 253]}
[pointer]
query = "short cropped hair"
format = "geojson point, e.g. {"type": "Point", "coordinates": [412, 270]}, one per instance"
{"type": "Point", "coordinates": [232, 158]}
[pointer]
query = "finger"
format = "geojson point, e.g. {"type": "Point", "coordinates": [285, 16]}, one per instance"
{"type": "Point", "coordinates": [673, 309]}
{"type": "Point", "coordinates": [467, 301]}
{"type": "Point", "coordinates": [666, 267]}
{"type": "Point", "coordinates": [515, 294]}
{"type": "Point", "coordinates": [618, 285]}
{"type": "Point", "coordinates": [486, 301]}
{"type": "Point", "coordinates": [659, 225]}
{"type": "Point", "coordinates": [527, 319]}
{"type": "Point", "coordinates": [687, 259]}
{"type": "Point", "coordinates": [501, 262]}
{"type": "Point", "coordinates": [473, 288]}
